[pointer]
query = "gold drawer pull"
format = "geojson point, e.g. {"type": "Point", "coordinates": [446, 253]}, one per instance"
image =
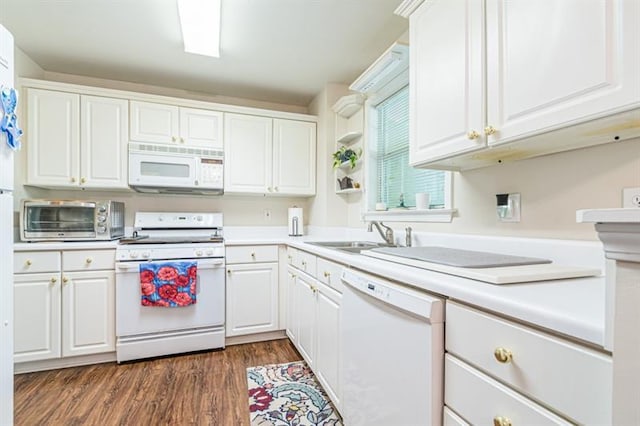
{"type": "Point", "coordinates": [65, 280]}
{"type": "Point", "coordinates": [473, 135]}
{"type": "Point", "coordinates": [503, 356]}
{"type": "Point", "coordinates": [88, 260]}
{"type": "Point", "coordinates": [53, 280]}
{"type": "Point", "coordinates": [490, 130]}
{"type": "Point", "coordinates": [28, 262]}
{"type": "Point", "coordinates": [83, 180]}
{"type": "Point", "coordinates": [501, 421]}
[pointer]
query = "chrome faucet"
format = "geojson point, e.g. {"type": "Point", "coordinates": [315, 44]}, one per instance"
{"type": "Point", "coordinates": [387, 234]}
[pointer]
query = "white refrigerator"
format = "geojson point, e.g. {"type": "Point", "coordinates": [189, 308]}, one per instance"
{"type": "Point", "coordinates": [6, 243]}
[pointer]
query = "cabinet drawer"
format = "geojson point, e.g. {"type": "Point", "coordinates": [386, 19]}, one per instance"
{"type": "Point", "coordinates": [452, 419]}
{"type": "Point", "coordinates": [306, 262]}
{"type": "Point", "coordinates": [291, 255]}
{"type": "Point", "coordinates": [329, 273]}
{"type": "Point", "coordinates": [482, 401]}
{"type": "Point", "coordinates": [36, 261]}
{"type": "Point", "coordinates": [251, 254]}
{"type": "Point", "coordinates": [88, 260]}
{"type": "Point", "coordinates": [575, 380]}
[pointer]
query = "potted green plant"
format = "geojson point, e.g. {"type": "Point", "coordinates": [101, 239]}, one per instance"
{"type": "Point", "coordinates": [345, 154]}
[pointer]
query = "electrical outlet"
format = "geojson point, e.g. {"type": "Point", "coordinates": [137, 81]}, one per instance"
{"type": "Point", "coordinates": [267, 215]}
{"type": "Point", "coordinates": [631, 197]}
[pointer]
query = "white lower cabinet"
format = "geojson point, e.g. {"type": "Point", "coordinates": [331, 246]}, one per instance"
{"type": "Point", "coordinates": [252, 290]}
{"type": "Point", "coordinates": [314, 317]}
{"type": "Point", "coordinates": [63, 306]}
{"type": "Point", "coordinates": [518, 370]}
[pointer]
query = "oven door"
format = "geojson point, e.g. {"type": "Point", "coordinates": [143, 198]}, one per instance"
{"type": "Point", "coordinates": [162, 169]}
{"type": "Point", "coordinates": [134, 319]}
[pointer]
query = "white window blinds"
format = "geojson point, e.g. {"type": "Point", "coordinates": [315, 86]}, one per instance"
{"type": "Point", "coordinates": [397, 181]}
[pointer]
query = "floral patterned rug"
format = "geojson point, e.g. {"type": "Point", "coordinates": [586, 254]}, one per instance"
{"type": "Point", "coordinates": [288, 395]}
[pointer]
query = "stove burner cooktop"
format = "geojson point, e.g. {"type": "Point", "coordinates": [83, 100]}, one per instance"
{"type": "Point", "coordinates": [186, 239]}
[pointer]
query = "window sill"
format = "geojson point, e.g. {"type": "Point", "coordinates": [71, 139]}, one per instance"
{"type": "Point", "coordinates": [411, 215]}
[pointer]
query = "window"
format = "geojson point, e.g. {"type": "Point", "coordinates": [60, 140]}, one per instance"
{"type": "Point", "coordinates": [397, 182]}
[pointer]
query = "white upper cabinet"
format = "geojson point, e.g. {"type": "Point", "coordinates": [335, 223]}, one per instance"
{"type": "Point", "coordinates": [248, 142]}
{"type": "Point", "coordinates": [513, 71]}
{"type": "Point", "coordinates": [161, 123]}
{"type": "Point", "coordinates": [294, 157]}
{"type": "Point", "coordinates": [76, 141]}
{"type": "Point", "coordinates": [269, 156]}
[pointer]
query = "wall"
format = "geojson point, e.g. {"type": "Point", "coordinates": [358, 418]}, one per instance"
{"type": "Point", "coordinates": [552, 188]}
{"type": "Point", "coordinates": [327, 208]}
{"type": "Point", "coordinates": [238, 210]}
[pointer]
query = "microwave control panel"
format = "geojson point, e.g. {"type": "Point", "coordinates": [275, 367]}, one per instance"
{"type": "Point", "coordinates": [211, 172]}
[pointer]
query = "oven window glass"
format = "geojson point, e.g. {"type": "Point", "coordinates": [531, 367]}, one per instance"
{"type": "Point", "coordinates": [150, 168]}
{"type": "Point", "coordinates": [60, 218]}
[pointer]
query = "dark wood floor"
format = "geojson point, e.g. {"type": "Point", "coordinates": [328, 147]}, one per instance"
{"type": "Point", "coordinates": [196, 389]}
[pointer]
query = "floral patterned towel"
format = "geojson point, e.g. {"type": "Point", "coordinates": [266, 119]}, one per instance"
{"type": "Point", "coordinates": [168, 284]}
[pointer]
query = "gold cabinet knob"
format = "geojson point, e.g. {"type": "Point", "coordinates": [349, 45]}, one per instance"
{"type": "Point", "coordinates": [473, 135]}
{"type": "Point", "coordinates": [253, 256]}
{"type": "Point", "coordinates": [490, 130]}
{"type": "Point", "coordinates": [83, 180]}
{"type": "Point", "coordinates": [276, 189]}
{"type": "Point", "coordinates": [28, 262]}
{"type": "Point", "coordinates": [173, 139]}
{"type": "Point", "coordinates": [326, 274]}
{"type": "Point", "coordinates": [228, 271]}
{"type": "Point", "coordinates": [181, 140]}
{"type": "Point", "coordinates": [269, 189]}
{"type": "Point", "coordinates": [290, 258]}
{"type": "Point", "coordinates": [501, 421]}
{"type": "Point", "coordinates": [304, 263]}
{"type": "Point", "coordinates": [53, 280]}
{"type": "Point", "coordinates": [503, 355]}
{"type": "Point", "coordinates": [73, 180]}
{"type": "Point", "coordinates": [88, 260]}
{"type": "Point", "coordinates": [65, 280]}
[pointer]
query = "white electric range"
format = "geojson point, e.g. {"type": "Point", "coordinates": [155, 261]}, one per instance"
{"type": "Point", "coordinates": [153, 321]}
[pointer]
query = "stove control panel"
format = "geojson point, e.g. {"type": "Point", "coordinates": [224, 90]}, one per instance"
{"type": "Point", "coordinates": [182, 251]}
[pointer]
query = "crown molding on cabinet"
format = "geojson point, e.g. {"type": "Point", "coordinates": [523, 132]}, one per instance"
{"type": "Point", "coordinates": [146, 97]}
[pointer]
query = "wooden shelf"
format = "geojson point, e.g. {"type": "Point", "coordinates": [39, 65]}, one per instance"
{"type": "Point", "coordinates": [349, 138]}
{"type": "Point", "coordinates": [348, 105]}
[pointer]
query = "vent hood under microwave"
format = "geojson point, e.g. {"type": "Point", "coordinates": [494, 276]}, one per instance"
{"type": "Point", "coordinates": [167, 169]}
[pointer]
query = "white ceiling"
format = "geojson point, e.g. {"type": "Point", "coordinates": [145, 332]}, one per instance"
{"type": "Point", "coordinates": [281, 51]}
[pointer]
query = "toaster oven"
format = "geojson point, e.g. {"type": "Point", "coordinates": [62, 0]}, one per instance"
{"type": "Point", "coordinates": [70, 220]}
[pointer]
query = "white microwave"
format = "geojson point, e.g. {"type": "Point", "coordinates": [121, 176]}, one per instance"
{"type": "Point", "coordinates": [171, 169]}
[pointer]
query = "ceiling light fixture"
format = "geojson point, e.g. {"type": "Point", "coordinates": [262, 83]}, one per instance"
{"type": "Point", "coordinates": [392, 62]}
{"type": "Point", "coordinates": [200, 23]}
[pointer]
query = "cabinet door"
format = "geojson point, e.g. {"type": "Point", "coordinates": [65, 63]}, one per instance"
{"type": "Point", "coordinates": [294, 157]}
{"type": "Point", "coordinates": [552, 64]}
{"type": "Point", "coordinates": [104, 135]}
{"type": "Point", "coordinates": [36, 316]}
{"type": "Point", "coordinates": [446, 79]}
{"type": "Point", "coordinates": [292, 307]}
{"type": "Point", "coordinates": [252, 298]}
{"type": "Point", "coordinates": [53, 130]}
{"type": "Point", "coordinates": [155, 123]}
{"type": "Point", "coordinates": [248, 147]}
{"type": "Point", "coordinates": [306, 305]}
{"type": "Point", "coordinates": [201, 127]}
{"type": "Point", "coordinates": [328, 339]}
{"type": "Point", "coordinates": [88, 314]}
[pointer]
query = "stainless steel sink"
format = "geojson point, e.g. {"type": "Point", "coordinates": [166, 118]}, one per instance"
{"type": "Point", "coordinates": [348, 246]}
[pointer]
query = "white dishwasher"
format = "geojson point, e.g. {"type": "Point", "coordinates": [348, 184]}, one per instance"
{"type": "Point", "coordinates": [393, 349]}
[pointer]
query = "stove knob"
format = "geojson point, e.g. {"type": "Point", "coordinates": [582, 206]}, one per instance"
{"type": "Point", "coordinates": [133, 254]}
{"type": "Point", "coordinates": [198, 252]}
{"type": "Point", "coordinates": [209, 252]}
{"type": "Point", "coordinates": [146, 254]}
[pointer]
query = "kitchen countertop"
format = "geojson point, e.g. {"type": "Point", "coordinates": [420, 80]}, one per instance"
{"type": "Point", "coordinates": [571, 307]}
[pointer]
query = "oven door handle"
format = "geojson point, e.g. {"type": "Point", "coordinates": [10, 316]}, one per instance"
{"type": "Point", "coordinates": [202, 264]}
